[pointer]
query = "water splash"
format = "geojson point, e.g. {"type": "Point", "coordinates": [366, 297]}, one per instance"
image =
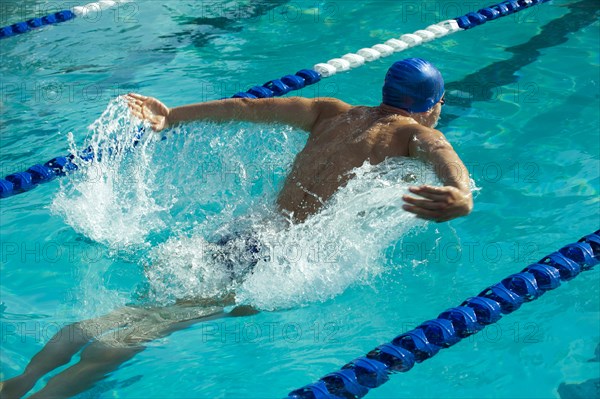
{"type": "Point", "coordinates": [167, 202]}
{"type": "Point", "coordinates": [343, 244]}
{"type": "Point", "coordinates": [110, 200]}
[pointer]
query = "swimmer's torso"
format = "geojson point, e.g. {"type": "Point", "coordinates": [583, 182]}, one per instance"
{"type": "Point", "coordinates": [336, 146]}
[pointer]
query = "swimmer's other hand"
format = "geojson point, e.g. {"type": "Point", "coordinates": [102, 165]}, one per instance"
{"type": "Point", "coordinates": [149, 109]}
{"type": "Point", "coordinates": [439, 204]}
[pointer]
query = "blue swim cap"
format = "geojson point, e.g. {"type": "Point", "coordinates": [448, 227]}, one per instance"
{"type": "Point", "coordinates": [413, 84]}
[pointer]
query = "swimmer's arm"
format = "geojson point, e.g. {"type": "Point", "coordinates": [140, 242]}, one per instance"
{"type": "Point", "coordinates": [295, 111]}
{"type": "Point", "coordinates": [452, 200]}
{"type": "Point", "coordinates": [300, 112]}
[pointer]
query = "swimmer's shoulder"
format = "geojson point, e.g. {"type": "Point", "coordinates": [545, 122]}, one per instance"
{"type": "Point", "coordinates": [330, 106]}
{"type": "Point", "coordinates": [404, 131]}
{"type": "Point", "coordinates": [418, 137]}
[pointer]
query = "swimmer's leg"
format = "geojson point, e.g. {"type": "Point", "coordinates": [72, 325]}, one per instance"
{"type": "Point", "coordinates": [57, 352]}
{"type": "Point", "coordinates": [99, 358]}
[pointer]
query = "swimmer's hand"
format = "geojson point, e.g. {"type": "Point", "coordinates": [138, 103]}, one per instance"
{"type": "Point", "coordinates": [439, 204]}
{"type": "Point", "coordinates": [149, 109]}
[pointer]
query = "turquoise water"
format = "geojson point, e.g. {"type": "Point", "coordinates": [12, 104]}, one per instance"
{"type": "Point", "coordinates": [522, 112]}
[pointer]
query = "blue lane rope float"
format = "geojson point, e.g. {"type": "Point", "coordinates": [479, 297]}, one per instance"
{"type": "Point", "coordinates": [33, 23]}
{"type": "Point", "coordinates": [56, 18]}
{"type": "Point", "coordinates": [24, 181]}
{"type": "Point", "coordinates": [355, 379]}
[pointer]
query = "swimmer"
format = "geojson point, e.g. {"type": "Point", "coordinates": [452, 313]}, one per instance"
{"type": "Point", "coordinates": [341, 137]}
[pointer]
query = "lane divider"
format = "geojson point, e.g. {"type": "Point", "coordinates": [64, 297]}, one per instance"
{"type": "Point", "coordinates": [56, 18]}
{"type": "Point", "coordinates": [391, 46]}
{"type": "Point", "coordinates": [24, 181]}
{"type": "Point", "coordinates": [356, 378]}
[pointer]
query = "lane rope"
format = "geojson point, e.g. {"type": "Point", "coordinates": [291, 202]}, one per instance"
{"type": "Point", "coordinates": [56, 18]}
{"type": "Point", "coordinates": [357, 377]}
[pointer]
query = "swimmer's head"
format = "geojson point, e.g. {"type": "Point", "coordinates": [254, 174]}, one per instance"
{"type": "Point", "coordinates": [414, 85]}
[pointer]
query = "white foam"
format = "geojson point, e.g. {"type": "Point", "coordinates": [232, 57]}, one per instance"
{"type": "Point", "coordinates": [110, 201]}
{"type": "Point", "coordinates": [342, 245]}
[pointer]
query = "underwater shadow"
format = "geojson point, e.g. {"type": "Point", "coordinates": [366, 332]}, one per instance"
{"type": "Point", "coordinates": [480, 85]}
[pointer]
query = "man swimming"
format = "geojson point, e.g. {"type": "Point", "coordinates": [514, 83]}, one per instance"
{"type": "Point", "coordinates": [342, 137]}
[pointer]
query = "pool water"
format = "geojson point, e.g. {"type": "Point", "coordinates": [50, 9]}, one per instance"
{"type": "Point", "coordinates": [521, 110]}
